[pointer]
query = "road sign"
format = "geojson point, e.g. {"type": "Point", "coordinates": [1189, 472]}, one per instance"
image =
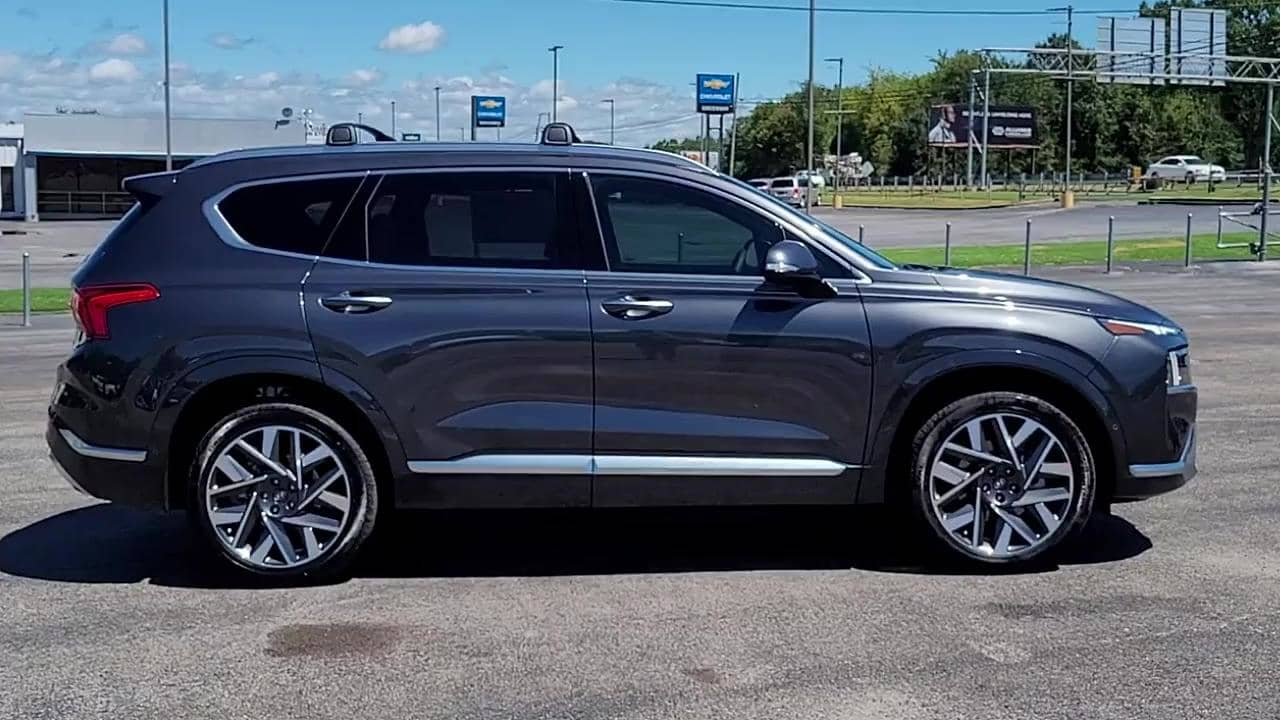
{"type": "Point", "coordinates": [716, 93]}
{"type": "Point", "coordinates": [411, 137]}
{"type": "Point", "coordinates": [488, 111]}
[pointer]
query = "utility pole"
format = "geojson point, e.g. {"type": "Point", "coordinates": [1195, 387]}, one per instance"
{"type": "Point", "coordinates": [393, 118]}
{"type": "Point", "coordinates": [1268, 120]}
{"type": "Point", "coordinates": [968, 140]}
{"type": "Point", "coordinates": [813, 12]}
{"type": "Point", "coordinates": [437, 113]}
{"type": "Point", "coordinates": [839, 117]}
{"type": "Point", "coordinates": [733, 137]}
{"type": "Point", "coordinates": [168, 117]}
{"type": "Point", "coordinates": [555, 78]}
{"type": "Point", "coordinates": [1069, 10]}
{"type": "Point", "coordinates": [359, 118]}
{"type": "Point", "coordinates": [986, 122]}
{"type": "Point", "coordinates": [611, 104]}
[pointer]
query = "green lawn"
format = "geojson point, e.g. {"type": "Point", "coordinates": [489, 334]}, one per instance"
{"type": "Point", "coordinates": [42, 300]}
{"type": "Point", "coordinates": [1091, 252]}
{"type": "Point", "coordinates": [961, 199]}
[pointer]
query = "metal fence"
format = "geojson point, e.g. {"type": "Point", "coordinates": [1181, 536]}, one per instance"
{"type": "Point", "coordinates": [83, 203]}
{"type": "Point", "coordinates": [1047, 183]}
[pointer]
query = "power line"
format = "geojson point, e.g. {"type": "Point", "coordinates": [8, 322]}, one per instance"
{"type": "Point", "coordinates": [848, 10]}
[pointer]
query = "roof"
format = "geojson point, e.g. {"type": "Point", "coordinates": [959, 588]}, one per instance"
{"type": "Point", "coordinates": [10, 131]}
{"type": "Point", "coordinates": [376, 150]}
{"type": "Point", "coordinates": [143, 136]}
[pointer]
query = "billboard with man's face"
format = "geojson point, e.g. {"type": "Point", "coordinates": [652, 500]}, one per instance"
{"type": "Point", "coordinates": [1010, 126]}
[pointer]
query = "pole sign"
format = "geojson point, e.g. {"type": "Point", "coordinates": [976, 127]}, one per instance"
{"type": "Point", "coordinates": [1011, 126]}
{"type": "Point", "coordinates": [716, 93]}
{"type": "Point", "coordinates": [488, 111]}
{"type": "Point", "coordinates": [411, 137]}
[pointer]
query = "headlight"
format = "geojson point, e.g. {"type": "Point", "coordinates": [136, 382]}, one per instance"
{"type": "Point", "coordinates": [1128, 327]}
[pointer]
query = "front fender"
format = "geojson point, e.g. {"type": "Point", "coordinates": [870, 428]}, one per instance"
{"type": "Point", "coordinates": [892, 410]}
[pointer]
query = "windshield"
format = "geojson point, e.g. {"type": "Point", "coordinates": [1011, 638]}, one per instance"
{"type": "Point", "coordinates": [830, 231]}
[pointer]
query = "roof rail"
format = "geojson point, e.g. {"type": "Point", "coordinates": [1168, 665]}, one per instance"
{"type": "Point", "coordinates": [558, 133]}
{"type": "Point", "coordinates": [345, 134]}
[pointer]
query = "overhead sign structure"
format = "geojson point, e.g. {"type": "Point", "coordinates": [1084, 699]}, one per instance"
{"type": "Point", "coordinates": [1198, 46]}
{"type": "Point", "coordinates": [1131, 50]}
{"type": "Point", "coordinates": [1010, 126]}
{"type": "Point", "coordinates": [716, 93]}
{"type": "Point", "coordinates": [488, 111]}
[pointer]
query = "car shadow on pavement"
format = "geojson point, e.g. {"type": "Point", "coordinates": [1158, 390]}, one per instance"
{"type": "Point", "coordinates": [113, 544]}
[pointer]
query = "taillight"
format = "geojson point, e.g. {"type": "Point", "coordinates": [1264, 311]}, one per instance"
{"type": "Point", "coordinates": [90, 304]}
{"type": "Point", "coordinates": [795, 192]}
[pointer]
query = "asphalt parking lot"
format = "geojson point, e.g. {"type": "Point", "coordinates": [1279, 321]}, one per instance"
{"type": "Point", "coordinates": [1168, 611]}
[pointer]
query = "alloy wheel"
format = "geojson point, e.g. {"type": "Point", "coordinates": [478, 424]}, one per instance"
{"type": "Point", "coordinates": [1001, 485]}
{"type": "Point", "coordinates": [278, 497]}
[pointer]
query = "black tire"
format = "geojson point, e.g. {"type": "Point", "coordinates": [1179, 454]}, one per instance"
{"type": "Point", "coordinates": [338, 554]}
{"type": "Point", "coordinates": [940, 426]}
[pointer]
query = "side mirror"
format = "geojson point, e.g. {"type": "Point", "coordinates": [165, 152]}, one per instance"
{"type": "Point", "coordinates": [790, 263]}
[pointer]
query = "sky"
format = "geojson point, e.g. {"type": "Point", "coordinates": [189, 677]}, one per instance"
{"type": "Point", "coordinates": [251, 58]}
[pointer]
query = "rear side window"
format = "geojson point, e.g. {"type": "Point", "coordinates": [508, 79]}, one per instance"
{"type": "Point", "coordinates": [294, 216]}
{"type": "Point", "coordinates": [476, 219]}
{"type": "Point", "coordinates": [784, 183]}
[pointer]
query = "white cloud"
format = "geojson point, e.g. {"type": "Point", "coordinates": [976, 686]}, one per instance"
{"type": "Point", "coordinates": [363, 77]}
{"type": "Point", "coordinates": [9, 64]}
{"type": "Point", "coordinates": [261, 81]}
{"type": "Point", "coordinates": [423, 37]}
{"type": "Point", "coordinates": [114, 70]}
{"type": "Point", "coordinates": [229, 41]}
{"type": "Point", "coordinates": [126, 44]}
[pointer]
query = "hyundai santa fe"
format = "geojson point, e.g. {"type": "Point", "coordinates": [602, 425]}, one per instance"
{"type": "Point", "coordinates": [288, 343]}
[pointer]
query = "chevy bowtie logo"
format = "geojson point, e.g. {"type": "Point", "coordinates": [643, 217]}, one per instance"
{"type": "Point", "coordinates": [715, 84]}
{"type": "Point", "coordinates": [490, 104]}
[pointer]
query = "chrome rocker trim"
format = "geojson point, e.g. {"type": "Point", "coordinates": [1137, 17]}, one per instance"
{"type": "Point", "coordinates": [1181, 466]}
{"type": "Point", "coordinates": [533, 464]}
{"type": "Point", "coordinates": [80, 447]}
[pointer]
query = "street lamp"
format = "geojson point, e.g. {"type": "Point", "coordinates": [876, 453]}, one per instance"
{"type": "Point", "coordinates": [839, 116]}
{"type": "Point", "coordinates": [555, 78]}
{"type": "Point", "coordinates": [168, 133]}
{"type": "Point", "coordinates": [610, 101]}
{"type": "Point", "coordinates": [437, 113]}
{"type": "Point", "coordinates": [393, 118]}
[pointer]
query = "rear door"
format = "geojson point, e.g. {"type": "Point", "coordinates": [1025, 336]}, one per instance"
{"type": "Point", "coordinates": [460, 305]}
{"type": "Point", "coordinates": [712, 386]}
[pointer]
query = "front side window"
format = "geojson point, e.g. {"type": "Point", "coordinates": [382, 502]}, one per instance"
{"type": "Point", "coordinates": [295, 216]}
{"type": "Point", "coordinates": [476, 219]}
{"type": "Point", "coordinates": [656, 226]}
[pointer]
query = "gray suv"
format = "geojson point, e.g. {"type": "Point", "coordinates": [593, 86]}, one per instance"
{"type": "Point", "coordinates": [289, 343]}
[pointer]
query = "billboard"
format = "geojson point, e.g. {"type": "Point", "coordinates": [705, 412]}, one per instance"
{"type": "Point", "coordinates": [1131, 50]}
{"type": "Point", "coordinates": [1198, 46]}
{"type": "Point", "coordinates": [488, 111]}
{"type": "Point", "coordinates": [716, 93]}
{"type": "Point", "coordinates": [1010, 126]}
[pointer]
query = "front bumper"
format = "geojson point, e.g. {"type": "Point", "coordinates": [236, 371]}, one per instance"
{"type": "Point", "coordinates": [116, 474]}
{"type": "Point", "coordinates": [1139, 481]}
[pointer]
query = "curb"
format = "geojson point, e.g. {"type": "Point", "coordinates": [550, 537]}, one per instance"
{"type": "Point", "coordinates": [995, 206]}
{"type": "Point", "coordinates": [1198, 202]}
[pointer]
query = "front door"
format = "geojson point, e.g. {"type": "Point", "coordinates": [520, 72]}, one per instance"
{"type": "Point", "coordinates": [463, 312]}
{"type": "Point", "coordinates": [713, 386]}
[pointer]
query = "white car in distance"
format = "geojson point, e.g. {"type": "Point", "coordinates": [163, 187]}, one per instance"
{"type": "Point", "coordinates": [1190, 168]}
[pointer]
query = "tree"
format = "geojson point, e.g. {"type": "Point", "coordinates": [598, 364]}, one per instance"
{"type": "Point", "coordinates": [678, 144]}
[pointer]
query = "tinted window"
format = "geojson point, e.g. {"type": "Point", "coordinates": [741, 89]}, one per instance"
{"type": "Point", "coordinates": [784, 183]}
{"type": "Point", "coordinates": [296, 216]}
{"type": "Point", "coordinates": [467, 219]}
{"type": "Point", "coordinates": [654, 226]}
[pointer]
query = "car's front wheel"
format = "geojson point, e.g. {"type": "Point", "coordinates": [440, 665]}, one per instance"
{"type": "Point", "coordinates": [1002, 477]}
{"type": "Point", "coordinates": [282, 490]}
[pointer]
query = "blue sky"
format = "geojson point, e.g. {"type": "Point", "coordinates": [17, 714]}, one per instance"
{"type": "Point", "coordinates": [246, 58]}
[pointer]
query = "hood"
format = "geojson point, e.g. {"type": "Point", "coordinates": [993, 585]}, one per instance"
{"type": "Point", "coordinates": [1047, 294]}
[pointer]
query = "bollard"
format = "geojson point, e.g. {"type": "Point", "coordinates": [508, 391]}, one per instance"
{"type": "Point", "coordinates": [26, 289]}
{"type": "Point", "coordinates": [1026, 251]}
{"type": "Point", "coordinates": [946, 248]}
{"type": "Point", "coordinates": [1219, 239]}
{"type": "Point", "coordinates": [1111, 240]}
{"type": "Point", "coordinates": [861, 228]}
{"type": "Point", "coordinates": [1186, 260]}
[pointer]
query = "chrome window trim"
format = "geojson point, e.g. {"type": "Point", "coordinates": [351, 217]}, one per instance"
{"type": "Point", "coordinates": [670, 465]}
{"type": "Point", "coordinates": [101, 452]}
{"type": "Point", "coordinates": [213, 214]}
{"type": "Point", "coordinates": [859, 275]}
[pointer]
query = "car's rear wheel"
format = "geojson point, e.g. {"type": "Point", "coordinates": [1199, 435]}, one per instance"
{"type": "Point", "coordinates": [282, 490]}
{"type": "Point", "coordinates": [1002, 478]}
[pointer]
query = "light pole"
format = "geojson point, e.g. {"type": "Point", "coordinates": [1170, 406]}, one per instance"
{"type": "Point", "coordinates": [168, 132]}
{"type": "Point", "coordinates": [437, 113]}
{"type": "Point", "coordinates": [813, 11]}
{"type": "Point", "coordinates": [839, 116]}
{"type": "Point", "coordinates": [393, 118]}
{"type": "Point", "coordinates": [555, 78]}
{"type": "Point", "coordinates": [359, 118]}
{"type": "Point", "coordinates": [611, 104]}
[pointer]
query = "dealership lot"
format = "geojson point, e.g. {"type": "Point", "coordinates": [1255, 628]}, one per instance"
{"type": "Point", "coordinates": [1168, 611]}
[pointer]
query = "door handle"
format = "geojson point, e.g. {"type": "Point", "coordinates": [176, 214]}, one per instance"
{"type": "Point", "coordinates": [633, 308]}
{"type": "Point", "coordinates": [345, 302]}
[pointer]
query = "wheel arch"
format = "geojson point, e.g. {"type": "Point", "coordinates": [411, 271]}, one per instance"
{"type": "Point", "coordinates": [216, 390]}
{"type": "Point", "coordinates": [1051, 380]}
